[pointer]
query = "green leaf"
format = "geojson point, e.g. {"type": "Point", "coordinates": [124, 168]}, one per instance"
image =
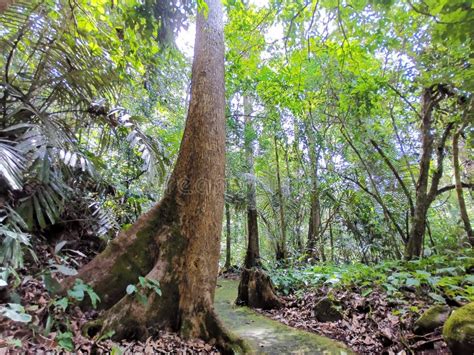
{"type": "Point", "coordinates": [15, 312]}
{"type": "Point", "coordinates": [437, 297]}
{"type": "Point", "coordinates": [59, 246]}
{"type": "Point", "coordinates": [65, 341]}
{"type": "Point", "coordinates": [469, 279]}
{"type": "Point", "coordinates": [78, 290]}
{"type": "Point", "coordinates": [412, 282]}
{"type": "Point", "coordinates": [39, 213]}
{"type": "Point", "coordinates": [116, 350]}
{"type": "Point", "coordinates": [14, 342]}
{"type": "Point", "coordinates": [131, 289]}
{"type": "Point", "coordinates": [62, 303]}
{"type": "Point", "coordinates": [94, 297]}
{"type": "Point", "coordinates": [51, 284]}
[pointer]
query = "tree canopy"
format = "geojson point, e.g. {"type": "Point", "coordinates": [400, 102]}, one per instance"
{"type": "Point", "coordinates": [348, 140]}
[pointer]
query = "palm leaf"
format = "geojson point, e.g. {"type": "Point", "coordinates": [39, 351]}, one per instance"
{"type": "Point", "coordinates": [11, 164]}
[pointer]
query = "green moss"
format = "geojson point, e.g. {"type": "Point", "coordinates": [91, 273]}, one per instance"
{"type": "Point", "coordinates": [433, 318]}
{"type": "Point", "coordinates": [265, 335]}
{"type": "Point", "coordinates": [458, 331]}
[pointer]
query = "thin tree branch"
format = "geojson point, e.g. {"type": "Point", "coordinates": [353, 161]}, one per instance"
{"type": "Point", "coordinates": [464, 185]}
{"type": "Point", "coordinates": [397, 176]}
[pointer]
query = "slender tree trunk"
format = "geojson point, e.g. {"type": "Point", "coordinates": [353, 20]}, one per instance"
{"type": "Point", "coordinates": [252, 257]}
{"type": "Point", "coordinates": [177, 242]}
{"type": "Point", "coordinates": [428, 228]}
{"type": "Point", "coordinates": [424, 197]}
{"type": "Point", "coordinates": [281, 246]}
{"type": "Point", "coordinates": [298, 237]}
{"type": "Point", "coordinates": [314, 222]}
{"type": "Point", "coordinates": [255, 286]}
{"type": "Point", "coordinates": [314, 226]}
{"type": "Point", "coordinates": [331, 236]}
{"type": "Point", "coordinates": [459, 192]}
{"type": "Point", "coordinates": [415, 241]}
{"type": "Point", "coordinates": [376, 194]}
{"type": "Point", "coordinates": [227, 238]}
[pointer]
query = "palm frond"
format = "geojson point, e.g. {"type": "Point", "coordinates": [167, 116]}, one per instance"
{"type": "Point", "coordinates": [11, 164]}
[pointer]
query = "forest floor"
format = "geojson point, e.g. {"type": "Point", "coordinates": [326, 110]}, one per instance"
{"type": "Point", "coordinates": [54, 329]}
{"type": "Point", "coordinates": [374, 320]}
{"type": "Point", "coordinates": [378, 305]}
{"type": "Point", "coordinates": [369, 325]}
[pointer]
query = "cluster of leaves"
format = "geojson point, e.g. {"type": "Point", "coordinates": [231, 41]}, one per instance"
{"type": "Point", "coordinates": [69, 151]}
{"type": "Point", "coordinates": [336, 92]}
{"type": "Point", "coordinates": [440, 277]}
{"type": "Point", "coordinates": [57, 311]}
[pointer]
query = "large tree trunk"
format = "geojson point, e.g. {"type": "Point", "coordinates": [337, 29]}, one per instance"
{"type": "Point", "coordinates": [253, 250]}
{"type": "Point", "coordinates": [256, 290]}
{"type": "Point", "coordinates": [459, 192]}
{"type": "Point", "coordinates": [177, 242]}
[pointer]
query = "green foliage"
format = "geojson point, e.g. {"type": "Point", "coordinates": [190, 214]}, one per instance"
{"type": "Point", "coordinates": [15, 312]}
{"type": "Point", "coordinates": [143, 287]}
{"type": "Point", "coordinates": [428, 276]}
{"type": "Point", "coordinates": [78, 291]}
{"type": "Point", "coordinates": [70, 152]}
{"type": "Point", "coordinates": [65, 340]}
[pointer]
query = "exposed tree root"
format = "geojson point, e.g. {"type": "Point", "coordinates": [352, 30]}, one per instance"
{"type": "Point", "coordinates": [256, 290]}
{"type": "Point", "coordinates": [130, 319]}
{"type": "Point", "coordinates": [124, 259]}
{"type": "Point", "coordinates": [220, 336]}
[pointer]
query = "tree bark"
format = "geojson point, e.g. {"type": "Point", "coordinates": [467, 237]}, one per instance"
{"type": "Point", "coordinates": [255, 287]}
{"type": "Point", "coordinates": [331, 236]}
{"type": "Point", "coordinates": [256, 290]}
{"type": "Point", "coordinates": [177, 242]}
{"type": "Point", "coordinates": [424, 197]}
{"type": "Point", "coordinates": [4, 4]}
{"type": "Point", "coordinates": [281, 252]}
{"type": "Point", "coordinates": [314, 226]}
{"type": "Point", "coordinates": [252, 257]}
{"type": "Point", "coordinates": [459, 192]}
{"type": "Point", "coordinates": [227, 263]}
